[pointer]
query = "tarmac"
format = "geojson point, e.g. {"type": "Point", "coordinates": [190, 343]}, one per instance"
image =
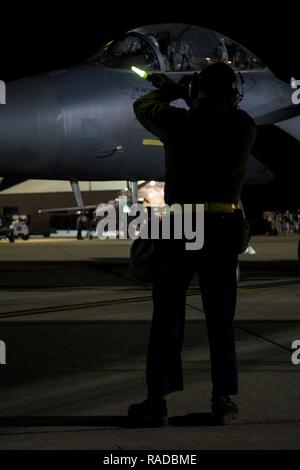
{"type": "Point", "coordinates": [76, 329]}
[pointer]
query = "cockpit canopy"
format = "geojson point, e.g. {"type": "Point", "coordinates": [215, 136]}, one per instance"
{"type": "Point", "coordinates": [175, 47]}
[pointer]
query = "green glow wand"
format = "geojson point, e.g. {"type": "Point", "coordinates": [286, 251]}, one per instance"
{"type": "Point", "coordinates": [140, 73]}
{"type": "Point", "coordinates": [158, 80]}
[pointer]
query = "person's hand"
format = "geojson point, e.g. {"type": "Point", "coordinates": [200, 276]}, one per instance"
{"type": "Point", "coordinates": [185, 81]}
{"type": "Point", "coordinates": [174, 89]}
{"type": "Point", "coordinates": [163, 83]}
{"type": "Point", "coordinates": [184, 84]}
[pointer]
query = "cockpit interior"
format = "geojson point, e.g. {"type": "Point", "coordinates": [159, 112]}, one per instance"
{"type": "Point", "coordinates": [175, 47]}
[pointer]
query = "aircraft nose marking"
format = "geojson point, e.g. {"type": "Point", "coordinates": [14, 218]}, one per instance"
{"type": "Point", "coordinates": [152, 142]}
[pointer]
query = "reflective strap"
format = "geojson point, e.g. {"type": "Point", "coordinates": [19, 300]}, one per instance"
{"type": "Point", "coordinates": [211, 207]}
{"type": "Point", "coordinates": [220, 207]}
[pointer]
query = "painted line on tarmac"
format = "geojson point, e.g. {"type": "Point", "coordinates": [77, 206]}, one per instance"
{"type": "Point", "coordinates": [81, 428]}
{"type": "Point", "coordinates": [63, 308]}
{"type": "Point", "coordinates": [250, 332]}
{"type": "Point", "coordinates": [79, 306]}
{"type": "Point", "coordinates": [111, 302]}
{"type": "Point", "coordinates": [267, 285]}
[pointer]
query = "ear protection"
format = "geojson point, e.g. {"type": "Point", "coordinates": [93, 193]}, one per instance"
{"type": "Point", "coordinates": [194, 86]}
{"type": "Point", "coordinates": [237, 87]}
{"type": "Point", "coordinates": [240, 87]}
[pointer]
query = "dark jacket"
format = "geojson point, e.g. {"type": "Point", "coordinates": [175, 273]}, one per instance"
{"type": "Point", "coordinates": [206, 147]}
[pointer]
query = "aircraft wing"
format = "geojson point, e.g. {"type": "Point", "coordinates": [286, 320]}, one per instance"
{"type": "Point", "coordinates": [9, 181]}
{"type": "Point", "coordinates": [58, 210]}
{"type": "Point", "coordinates": [283, 159]}
{"type": "Point", "coordinates": [291, 127]}
{"type": "Point", "coordinates": [279, 115]}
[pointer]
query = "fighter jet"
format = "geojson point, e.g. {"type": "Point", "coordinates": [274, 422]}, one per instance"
{"type": "Point", "coordinates": [78, 124]}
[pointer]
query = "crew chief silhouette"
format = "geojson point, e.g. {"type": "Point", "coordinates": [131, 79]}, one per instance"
{"type": "Point", "coordinates": [206, 152]}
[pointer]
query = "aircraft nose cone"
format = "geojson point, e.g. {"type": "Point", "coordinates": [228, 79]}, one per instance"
{"type": "Point", "coordinates": [30, 118]}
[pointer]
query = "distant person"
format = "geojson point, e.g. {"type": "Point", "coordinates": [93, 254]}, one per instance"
{"type": "Point", "coordinates": [206, 153]}
{"type": "Point", "coordinates": [284, 223]}
{"type": "Point", "coordinates": [278, 219]}
{"type": "Point", "coordinates": [92, 225]}
{"type": "Point", "coordinates": [82, 224]}
{"type": "Point", "coordinates": [295, 226]}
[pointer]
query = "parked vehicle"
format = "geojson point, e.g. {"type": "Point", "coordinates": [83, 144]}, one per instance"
{"type": "Point", "coordinates": [15, 226]}
{"type": "Point", "coordinates": [19, 226]}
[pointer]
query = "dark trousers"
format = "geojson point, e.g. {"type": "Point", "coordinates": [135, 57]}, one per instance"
{"type": "Point", "coordinates": [215, 265]}
{"type": "Point", "coordinates": [79, 234]}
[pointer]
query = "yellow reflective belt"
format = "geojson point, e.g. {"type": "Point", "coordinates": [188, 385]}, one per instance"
{"type": "Point", "coordinates": [215, 207]}
{"type": "Point", "coordinates": [210, 207]}
{"type": "Point", "coordinates": [220, 207]}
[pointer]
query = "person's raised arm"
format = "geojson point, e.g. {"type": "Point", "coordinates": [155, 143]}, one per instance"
{"type": "Point", "coordinates": [154, 111]}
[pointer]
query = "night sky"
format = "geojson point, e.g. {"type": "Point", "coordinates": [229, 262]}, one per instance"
{"type": "Point", "coordinates": [50, 36]}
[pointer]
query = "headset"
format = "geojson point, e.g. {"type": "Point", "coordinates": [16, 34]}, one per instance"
{"type": "Point", "coordinates": [238, 87]}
